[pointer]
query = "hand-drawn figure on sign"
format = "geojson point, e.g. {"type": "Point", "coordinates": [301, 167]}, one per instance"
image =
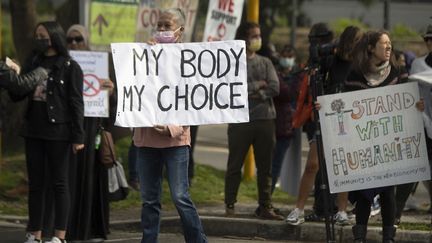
{"type": "Point", "coordinates": [337, 106]}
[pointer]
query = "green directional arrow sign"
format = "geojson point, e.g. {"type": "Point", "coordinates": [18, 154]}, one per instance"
{"type": "Point", "coordinates": [112, 21]}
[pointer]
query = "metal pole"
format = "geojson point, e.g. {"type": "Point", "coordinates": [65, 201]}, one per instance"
{"type": "Point", "coordinates": [386, 14]}
{"type": "Point", "coordinates": [293, 22]}
{"type": "Point", "coordinates": [253, 11]}
{"type": "Point", "coordinates": [1, 124]}
{"type": "Point", "coordinates": [84, 10]}
{"type": "Point", "coordinates": [249, 162]}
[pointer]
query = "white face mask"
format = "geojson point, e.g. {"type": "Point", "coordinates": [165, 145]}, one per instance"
{"type": "Point", "coordinates": [166, 36]}
{"type": "Point", "coordinates": [287, 62]}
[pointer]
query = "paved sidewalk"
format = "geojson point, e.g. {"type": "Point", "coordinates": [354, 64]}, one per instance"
{"type": "Point", "coordinates": [244, 224]}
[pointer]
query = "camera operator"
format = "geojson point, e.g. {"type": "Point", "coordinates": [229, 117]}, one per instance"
{"type": "Point", "coordinates": [321, 47]}
{"type": "Point", "coordinates": [320, 56]}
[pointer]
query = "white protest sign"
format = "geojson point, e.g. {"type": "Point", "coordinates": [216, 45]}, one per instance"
{"type": "Point", "coordinates": [182, 84]}
{"type": "Point", "coordinates": [223, 18]}
{"type": "Point", "coordinates": [95, 68]}
{"type": "Point", "coordinates": [373, 138]}
{"type": "Point", "coordinates": [425, 85]}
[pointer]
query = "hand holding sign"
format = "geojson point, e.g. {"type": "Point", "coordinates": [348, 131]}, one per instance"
{"type": "Point", "coordinates": [107, 84]}
{"type": "Point", "coordinates": [184, 84]}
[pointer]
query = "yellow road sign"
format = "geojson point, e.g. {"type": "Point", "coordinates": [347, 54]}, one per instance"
{"type": "Point", "coordinates": [112, 21]}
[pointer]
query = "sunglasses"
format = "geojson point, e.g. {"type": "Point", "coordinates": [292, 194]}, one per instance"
{"type": "Point", "coordinates": [77, 39]}
{"type": "Point", "coordinates": [426, 39]}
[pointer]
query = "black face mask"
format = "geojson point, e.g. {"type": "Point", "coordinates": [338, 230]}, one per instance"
{"type": "Point", "coordinates": [41, 45]}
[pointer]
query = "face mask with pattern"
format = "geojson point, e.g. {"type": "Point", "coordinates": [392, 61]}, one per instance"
{"type": "Point", "coordinates": [166, 36]}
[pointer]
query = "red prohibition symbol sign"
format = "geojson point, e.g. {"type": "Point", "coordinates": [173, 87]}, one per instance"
{"type": "Point", "coordinates": [92, 85]}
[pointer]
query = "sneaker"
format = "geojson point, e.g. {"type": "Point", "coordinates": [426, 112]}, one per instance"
{"type": "Point", "coordinates": [229, 210]}
{"type": "Point", "coordinates": [375, 208]}
{"type": "Point", "coordinates": [30, 238]}
{"type": "Point", "coordinates": [55, 240]}
{"type": "Point", "coordinates": [411, 204]}
{"type": "Point", "coordinates": [341, 218]}
{"type": "Point", "coordinates": [296, 217]}
{"type": "Point", "coordinates": [397, 222]}
{"type": "Point", "coordinates": [269, 213]}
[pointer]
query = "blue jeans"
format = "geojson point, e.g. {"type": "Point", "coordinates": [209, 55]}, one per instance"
{"type": "Point", "coordinates": [132, 162]}
{"type": "Point", "coordinates": [281, 149]}
{"type": "Point", "coordinates": [150, 166]}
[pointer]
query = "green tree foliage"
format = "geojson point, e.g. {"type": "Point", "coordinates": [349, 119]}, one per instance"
{"type": "Point", "coordinates": [339, 25]}
{"type": "Point", "coordinates": [401, 31]}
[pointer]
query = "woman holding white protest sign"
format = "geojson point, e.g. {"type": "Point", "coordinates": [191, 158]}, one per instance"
{"type": "Point", "coordinates": [167, 146]}
{"type": "Point", "coordinates": [374, 66]}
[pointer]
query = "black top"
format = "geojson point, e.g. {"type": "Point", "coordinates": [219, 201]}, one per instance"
{"type": "Point", "coordinates": [20, 84]}
{"type": "Point", "coordinates": [56, 108]}
{"type": "Point", "coordinates": [37, 117]}
{"type": "Point", "coordinates": [428, 59]}
{"type": "Point", "coordinates": [338, 73]}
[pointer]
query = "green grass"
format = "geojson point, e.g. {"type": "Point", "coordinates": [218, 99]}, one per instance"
{"type": "Point", "coordinates": [207, 189]}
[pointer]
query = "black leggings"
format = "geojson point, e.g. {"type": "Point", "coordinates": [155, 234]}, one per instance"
{"type": "Point", "coordinates": [387, 203]}
{"type": "Point", "coordinates": [47, 166]}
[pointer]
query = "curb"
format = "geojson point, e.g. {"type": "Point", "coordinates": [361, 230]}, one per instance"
{"type": "Point", "coordinates": [274, 230]}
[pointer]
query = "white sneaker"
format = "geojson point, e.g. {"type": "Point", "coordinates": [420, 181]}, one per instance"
{"type": "Point", "coordinates": [296, 217]}
{"type": "Point", "coordinates": [55, 240]}
{"type": "Point", "coordinates": [31, 239]}
{"type": "Point", "coordinates": [341, 218]}
{"type": "Point", "coordinates": [375, 207]}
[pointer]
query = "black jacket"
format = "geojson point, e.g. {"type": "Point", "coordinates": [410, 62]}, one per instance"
{"type": "Point", "coordinates": [20, 84]}
{"type": "Point", "coordinates": [64, 96]}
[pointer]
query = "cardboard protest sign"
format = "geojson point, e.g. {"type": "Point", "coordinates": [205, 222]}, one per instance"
{"type": "Point", "coordinates": [373, 138]}
{"type": "Point", "coordinates": [223, 18]}
{"type": "Point", "coordinates": [95, 68]}
{"type": "Point", "coordinates": [182, 84]}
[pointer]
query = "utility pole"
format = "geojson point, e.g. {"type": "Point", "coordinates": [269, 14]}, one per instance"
{"type": "Point", "coordinates": [386, 14]}
{"type": "Point", "coordinates": [1, 125]}
{"type": "Point", "coordinates": [249, 163]}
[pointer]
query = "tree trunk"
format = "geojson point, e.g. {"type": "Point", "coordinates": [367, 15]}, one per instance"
{"type": "Point", "coordinates": [68, 14]}
{"type": "Point", "coordinates": [23, 17]}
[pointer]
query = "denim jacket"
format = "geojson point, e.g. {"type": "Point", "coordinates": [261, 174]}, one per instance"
{"type": "Point", "coordinates": [64, 96]}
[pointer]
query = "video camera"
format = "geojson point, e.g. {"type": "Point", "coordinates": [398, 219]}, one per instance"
{"type": "Point", "coordinates": [318, 52]}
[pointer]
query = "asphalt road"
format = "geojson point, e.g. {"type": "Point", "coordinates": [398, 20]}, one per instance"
{"type": "Point", "coordinates": [16, 235]}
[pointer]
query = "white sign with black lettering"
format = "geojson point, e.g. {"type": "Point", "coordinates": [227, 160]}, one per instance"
{"type": "Point", "coordinates": [182, 84]}
{"type": "Point", "coordinates": [95, 69]}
